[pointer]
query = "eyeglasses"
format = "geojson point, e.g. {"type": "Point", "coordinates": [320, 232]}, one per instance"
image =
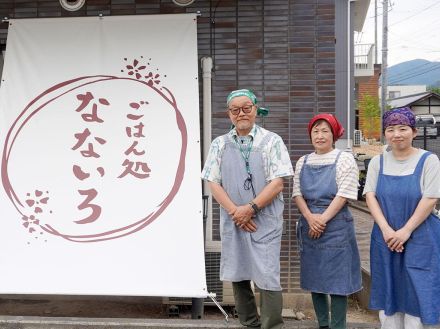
{"type": "Point", "coordinates": [246, 109]}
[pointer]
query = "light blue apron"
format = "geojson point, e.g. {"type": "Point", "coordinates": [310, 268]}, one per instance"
{"type": "Point", "coordinates": [330, 264]}
{"type": "Point", "coordinates": [407, 282]}
{"type": "Point", "coordinates": [249, 256]}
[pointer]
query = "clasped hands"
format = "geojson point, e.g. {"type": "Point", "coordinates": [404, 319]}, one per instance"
{"type": "Point", "coordinates": [243, 218]}
{"type": "Point", "coordinates": [395, 240]}
{"type": "Point", "coordinates": [316, 225]}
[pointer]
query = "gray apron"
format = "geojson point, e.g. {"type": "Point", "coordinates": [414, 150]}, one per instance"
{"type": "Point", "coordinates": [249, 256]}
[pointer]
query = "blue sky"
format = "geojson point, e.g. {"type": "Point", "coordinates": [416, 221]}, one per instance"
{"type": "Point", "coordinates": [414, 30]}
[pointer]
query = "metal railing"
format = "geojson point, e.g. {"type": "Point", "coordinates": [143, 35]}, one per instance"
{"type": "Point", "coordinates": [428, 138]}
{"type": "Point", "coordinates": [364, 60]}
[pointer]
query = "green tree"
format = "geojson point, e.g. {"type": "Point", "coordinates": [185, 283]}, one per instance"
{"type": "Point", "coordinates": [371, 116]}
{"type": "Point", "coordinates": [434, 89]}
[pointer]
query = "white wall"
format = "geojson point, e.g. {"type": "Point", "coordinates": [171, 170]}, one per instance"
{"type": "Point", "coordinates": [2, 56]}
{"type": "Point", "coordinates": [405, 90]}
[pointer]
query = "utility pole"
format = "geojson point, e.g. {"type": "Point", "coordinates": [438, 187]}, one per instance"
{"type": "Point", "coordinates": [375, 32]}
{"type": "Point", "coordinates": [384, 59]}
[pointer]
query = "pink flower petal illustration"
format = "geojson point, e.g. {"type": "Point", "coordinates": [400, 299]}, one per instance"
{"type": "Point", "coordinates": [38, 210]}
{"type": "Point", "coordinates": [38, 193]}
{"type": "Point", "coordinates": [129, 67]}
{"type": "Point", "coordinates": [130, 73]}
{"type": "Point", "coordinates": [44, 200]}
{"type": "Point", "coordinates": [142, 67]}
{"type": "Point", "coordinates": [26, 224]}
{"type": "Point", "coordinates": [30, 202]}
{"type": "Point", "coordinates": [134, 105]}
{"type": "Point", "coordinates": [138, 76]}
{"type": "Point", "coordinates": [135, 62]}
{"type": "Point", "coordinates": [31, 230]}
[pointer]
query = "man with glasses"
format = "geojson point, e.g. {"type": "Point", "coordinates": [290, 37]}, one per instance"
{"type": "Point", "coordinates": [245, 169]}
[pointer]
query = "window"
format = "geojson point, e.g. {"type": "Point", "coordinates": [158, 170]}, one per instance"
{"type": "Point", "coordinates": [393, 94]}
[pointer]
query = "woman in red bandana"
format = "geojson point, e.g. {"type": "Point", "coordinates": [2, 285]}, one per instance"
{"type": "Point", "coordinates": [323, 182]}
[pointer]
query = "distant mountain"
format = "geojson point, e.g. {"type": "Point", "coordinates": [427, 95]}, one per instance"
{"type": "Point", "coordinates": [415, 72]}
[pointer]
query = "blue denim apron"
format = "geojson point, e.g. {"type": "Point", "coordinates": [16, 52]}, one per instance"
{"type": "Point", "coordinates": [330, 264]}
{"type": "Point", "coordinates": [407, 282]}
{"type": "Point", "coordinates": [250, 256]}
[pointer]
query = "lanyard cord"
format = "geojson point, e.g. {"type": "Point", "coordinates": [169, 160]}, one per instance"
{"type": "Point", "coordinates": [246, 154]}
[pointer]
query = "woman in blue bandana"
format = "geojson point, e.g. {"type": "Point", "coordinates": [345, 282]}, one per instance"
{"type": "Point", "coordinates": [402, 189]}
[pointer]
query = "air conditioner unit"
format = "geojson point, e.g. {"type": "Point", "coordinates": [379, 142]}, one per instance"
{"type": "Point", "coordinates": [223, 290]}
{"type": "Point", "coordinates": [357, 138]}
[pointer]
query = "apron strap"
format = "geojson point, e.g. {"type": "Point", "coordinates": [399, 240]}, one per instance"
{"type": "Point", "coordinates": [419, 167]}
{"type": "Point", "coordinates": [381, 165]}
{"type": "Point", "coordinates": [229, 139]}
{"type": "Point", "coordinates": [305, 159]}
{"type": "Point", "coordinates": [420, 164]}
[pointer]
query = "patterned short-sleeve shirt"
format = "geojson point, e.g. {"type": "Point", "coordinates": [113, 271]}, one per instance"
{"type": "Point", "coordinates": [275, 155]}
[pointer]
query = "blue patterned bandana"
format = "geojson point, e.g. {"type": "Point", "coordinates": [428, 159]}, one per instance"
{"type": "Point", "coordinates": [261, 111]}
{"type": "Point", "coordinates": [399, 116]}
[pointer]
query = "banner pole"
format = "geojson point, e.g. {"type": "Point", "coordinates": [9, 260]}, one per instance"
{"type": "Point", "coordinates": [212, 296]}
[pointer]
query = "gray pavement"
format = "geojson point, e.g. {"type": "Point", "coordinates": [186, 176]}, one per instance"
{"type": "Point", "coordinates": [16, 322]}
{"type": "Point", "coordinates": [363, 224]}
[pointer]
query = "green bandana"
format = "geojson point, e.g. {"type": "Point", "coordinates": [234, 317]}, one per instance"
{"type": "Point", "coordinates": [261, 111]}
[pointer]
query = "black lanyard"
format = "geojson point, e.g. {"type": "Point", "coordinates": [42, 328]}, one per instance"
{"type": "Point", "coordinates": [246, 154]}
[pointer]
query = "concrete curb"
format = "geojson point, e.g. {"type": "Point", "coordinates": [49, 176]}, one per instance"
{"type": "Point", "coordinates": [23, 322]}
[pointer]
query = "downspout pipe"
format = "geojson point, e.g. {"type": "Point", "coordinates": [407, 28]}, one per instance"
{"type": "Point", "coordinates": [207, 65]}
{"type": "Point", "coordinates": [349, 74]}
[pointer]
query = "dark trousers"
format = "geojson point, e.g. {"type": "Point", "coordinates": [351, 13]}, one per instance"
{"type": "Point", "coordinates": [338, 310]}
{"type": "Point", "coordinates": [271, 306]}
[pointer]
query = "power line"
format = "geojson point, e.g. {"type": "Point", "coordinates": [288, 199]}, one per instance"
{"type": "Point", "coordinates": [411, 16]}
{"type": "Point", "coordinates": [378, 15]}
{"type": "Point", "coordinates": [416, 75]}
{"type": "Point", "coordinates": [422, 36]}
{"type": "Point", "coordinates": [415, 68]}
{"type": "Point", "coordinates": [418, 71]}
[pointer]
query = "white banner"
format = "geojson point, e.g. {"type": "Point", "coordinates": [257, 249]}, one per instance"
{"type": "Point", "coordinates": [100, 141]}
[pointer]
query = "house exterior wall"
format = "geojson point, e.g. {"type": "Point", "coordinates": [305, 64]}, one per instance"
{"type": "Point", "coordinates": [402, 91]}
{"type": "Point", "coordinates": [368, 87]}
{"type": "Point", "coordinates": [282, 49]}
{"type": "Point", "coordinates": [430, 105]}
